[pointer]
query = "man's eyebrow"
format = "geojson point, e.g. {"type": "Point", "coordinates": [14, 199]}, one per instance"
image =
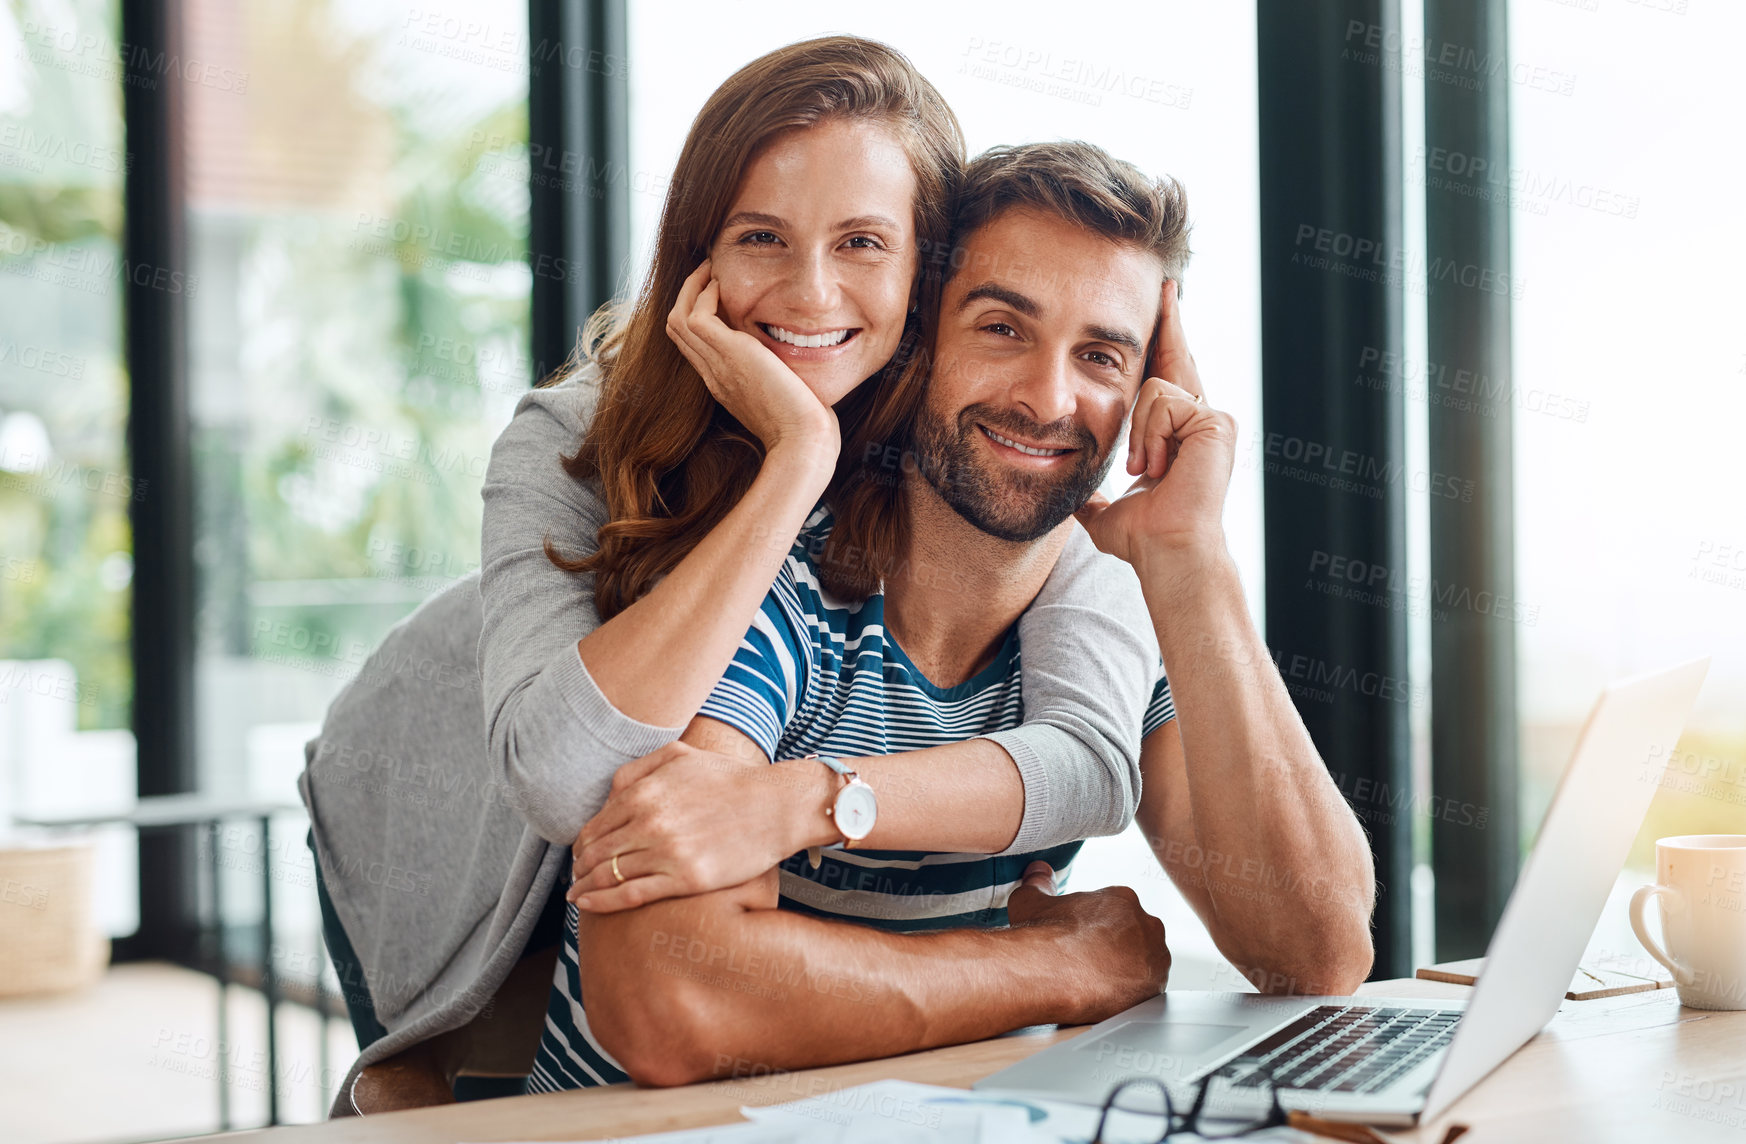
{"type": "Point", "coordinates": [1012, 299]}
{"type": "Point", "coordinates": [1117, 337]}
{"type": "Point", "coordinates": [1005, 295]}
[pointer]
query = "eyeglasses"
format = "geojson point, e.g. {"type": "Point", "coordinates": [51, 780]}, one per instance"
{"type": "Point", "coordinates": [1189, 1121]}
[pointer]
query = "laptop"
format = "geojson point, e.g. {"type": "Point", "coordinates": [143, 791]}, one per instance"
{"type": "Point", "coordinates": [1388, 1061]}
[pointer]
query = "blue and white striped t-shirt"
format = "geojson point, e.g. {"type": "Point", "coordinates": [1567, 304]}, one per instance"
{"type": "Point", "coordinates": [814, 674]}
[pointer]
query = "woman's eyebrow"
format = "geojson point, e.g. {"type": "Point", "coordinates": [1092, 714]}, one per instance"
{"type": "Point", "coordinates": [753, 217]}
{"type": "Point", "coordinates": [868, 222]}
{"type": "Point", "coordinates": [859, 222]}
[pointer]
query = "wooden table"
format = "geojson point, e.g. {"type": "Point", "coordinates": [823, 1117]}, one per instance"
{"type": "Point", "coordinates": [1632, 1068]}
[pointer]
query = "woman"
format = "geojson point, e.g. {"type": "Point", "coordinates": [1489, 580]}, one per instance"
{"type": "Point", "coordinates": [731, 400]}
{"type": "Point", "coordinates": [704, 489]}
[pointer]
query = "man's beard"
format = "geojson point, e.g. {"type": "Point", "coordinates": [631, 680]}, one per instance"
{"type": "Point", "coordinates": [1007, 503]}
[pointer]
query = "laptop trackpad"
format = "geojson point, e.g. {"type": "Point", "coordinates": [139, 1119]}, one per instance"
{"type": "Point", "coordinates": [1179, 1040]}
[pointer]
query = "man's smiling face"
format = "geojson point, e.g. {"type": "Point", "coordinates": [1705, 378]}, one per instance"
{"type": "Point", "coordinates": [1040, 350]}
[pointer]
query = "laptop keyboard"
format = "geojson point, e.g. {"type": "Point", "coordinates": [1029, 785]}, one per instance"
{"type": "Point", "coordinates": [1343, 1048]}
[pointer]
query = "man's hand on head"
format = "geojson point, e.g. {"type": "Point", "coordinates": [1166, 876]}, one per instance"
{"type": "Point", "coordinates": [1169, 358]}
{"type": "Point", "coordinates": [1180, 449]}
{"type": "Point", "coordinates": [1111, 943]}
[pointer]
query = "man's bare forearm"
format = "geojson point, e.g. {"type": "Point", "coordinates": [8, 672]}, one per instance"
{"type": "Point", "coordinates": [1289, 894]}
{"type": "Point", "coordinates": [692, 988]}
{"type": "Point", "coordinates": [681, 990]}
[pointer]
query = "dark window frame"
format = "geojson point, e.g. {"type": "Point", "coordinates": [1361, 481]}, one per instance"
{"type": "Point", "coordinates": [578, 169]}
{"type": "Point", "coordinates": [1476, 836]}
{"type": "Point", "coordinates": [1330, 138]}
{"type": "Point", "coordinates": [154, 239]}
{"type": "Point", "coordinates": [1330, 143]}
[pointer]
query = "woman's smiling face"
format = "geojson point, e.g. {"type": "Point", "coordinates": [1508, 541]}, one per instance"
{"type": "Point", "coordinates": [817, 258]}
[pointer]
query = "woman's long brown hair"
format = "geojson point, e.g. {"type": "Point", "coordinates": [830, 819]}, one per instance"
{"type": "Point", "coordinates": [670, 460]}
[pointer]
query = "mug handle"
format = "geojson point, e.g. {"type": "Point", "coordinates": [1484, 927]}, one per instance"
{"type": "Point", "coordinates": [1682, 974]}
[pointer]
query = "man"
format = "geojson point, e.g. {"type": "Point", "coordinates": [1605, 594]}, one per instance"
{"type": "Point", "coordinates": [1041, 350]}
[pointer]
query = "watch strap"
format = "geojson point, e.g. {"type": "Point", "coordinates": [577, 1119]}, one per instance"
{"type": "Point", "coordinates": [834, 764]}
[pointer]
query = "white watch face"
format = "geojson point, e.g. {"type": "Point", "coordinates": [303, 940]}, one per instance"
{"type": "Point", "coordinates": [856, 808]}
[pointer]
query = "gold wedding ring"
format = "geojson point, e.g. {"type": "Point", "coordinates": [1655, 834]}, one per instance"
{"type": "Point", "coordinates": [615, 872]}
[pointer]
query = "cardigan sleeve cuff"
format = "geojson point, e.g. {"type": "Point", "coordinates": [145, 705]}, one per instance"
{"type": "Point", "coordinates": [1039, 801]}
{"type": "Point", "coordinates": [612, 728]}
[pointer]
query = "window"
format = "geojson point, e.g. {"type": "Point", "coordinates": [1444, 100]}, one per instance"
{"type": "Point", "coordinates": [357, 226]}
{"type": "Point", "coordinates": [1630, 385]}
{"type": "Point", "coordinates": [357, 298]}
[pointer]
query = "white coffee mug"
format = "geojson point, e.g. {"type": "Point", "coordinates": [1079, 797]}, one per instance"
{"type": "Point", "coordinates": [1701, 881]}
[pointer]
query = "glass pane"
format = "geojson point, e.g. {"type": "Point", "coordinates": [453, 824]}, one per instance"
{"type": "Point", "coordinates": [1630, 373]}
{"type": "Point", "coordinates": [1174, 94]}
{"type": "Point", "coordinates": [357, 213]}
{"type": "Point", "coordinates": [65, 490]}
{"type": "Point", "coordinates": [66, 675]}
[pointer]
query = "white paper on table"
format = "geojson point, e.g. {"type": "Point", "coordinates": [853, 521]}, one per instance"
{"type": "Point", "coordinates": [902, 1112]}
{"type": "Point", "coordinates": [1007, 1116]}
{"type": "Point", "coordinates": [738, 1133]}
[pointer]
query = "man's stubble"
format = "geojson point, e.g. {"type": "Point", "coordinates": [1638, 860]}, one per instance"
{"type": "Point", "coordinates": [1005, 503]}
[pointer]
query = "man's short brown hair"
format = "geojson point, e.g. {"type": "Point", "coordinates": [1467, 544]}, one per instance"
{"type": "Point", "coordinates": [1083, 184]}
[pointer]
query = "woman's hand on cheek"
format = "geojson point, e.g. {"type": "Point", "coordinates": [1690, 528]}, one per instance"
{"type": "Point", "coordinates": [683, 821]}
{"type": "Point", "coordinates": [750, 382]}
